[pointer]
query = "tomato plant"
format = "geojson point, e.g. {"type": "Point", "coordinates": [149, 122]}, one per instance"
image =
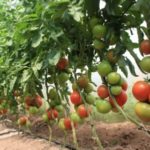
{"type": "Point", "coordinates": [46, 47]}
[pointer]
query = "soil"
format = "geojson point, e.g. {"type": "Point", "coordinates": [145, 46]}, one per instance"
{"type": "Point", "coordinates": [115, 136]}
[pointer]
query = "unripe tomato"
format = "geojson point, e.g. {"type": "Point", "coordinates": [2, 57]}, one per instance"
{"type": "Point", "coordinates": [145, 64]}
{"type": "Point", "coordinates": [113, 78]}
{"type": "Point", "coordinates": [112, 57]}
{"type": "Point", "coordinates": [99, 45]}
{"type": "Point", "coordinates": [83, 81]}
{"type": "Point", "coordinates": [102, 91]}
{"type": "Point", "coordinates": [104, 68]}
{"type": "Point", "coordinates": [103, 106]}
{"type": "Point", "coordinates": [141, 90]}
{"type": "Point", "coordinates": [116, 89]}
{"type": "Point", "coordinates": [75, 98]}
{"type": "Point", "coordinates": [75, 117]}
{"type": "Point", "coordinates": [99, 31]}
{"type": "Point", "coordinates": [142, 110]}
{"type": "Point", "coordinates": [145, 47]}
{"type": "Point", "coordinates": [61, 124]}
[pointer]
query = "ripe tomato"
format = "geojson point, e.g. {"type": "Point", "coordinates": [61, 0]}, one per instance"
{"type": "Point", "coordinates": [121, 99]}
{"type": "Point", "coordinates": [38, 101]}
{"type": "Point", "coordinates": [22, 120]}
{"type": "Point", "coordinates": [52, 114]}
{"type": "Point", "coordinates": [124, 86]}
{"type": "Point", "coordinates": [141, 90]}
{"type": "Point", "coordinates": [67, 123]}
{"type": "Point", "coordinates": [144, 64]}
{"type": "Point", "coordinates": [83, 81]}
{"type": "Point", "coordinates": [145, 46]}
{"type": "Point", "coordinates": [82, 111]}
{"type": "Point", "coordinates": [62, 64]}
{"type": "Point", "coordinates": [143, 111]}
{"type": "Point", "coordinates": [102, 91]}
{"type": "Point", "coordinates": [113, 78]}
{"type": "Point", "coordinates": [103, 106]}
{"type": "Point", "coordinates": [75, 98]}
{"type": "Point", "coordinates": [29, 101]}
{"type": "Point", "coordinates": [104, 68]}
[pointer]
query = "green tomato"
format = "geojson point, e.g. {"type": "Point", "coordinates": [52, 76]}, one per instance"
{"type": "Point", "coordinates": [52, 93]}
{"type": "Point", "coordinates": [61, 124]}
{"type": "Point", "coordinates": [75, 118]}
{"type": "Point", "coordinates": [99, 31]}
{"type": "Point", "coordinates": [33, 110]}
{"type": "Point", "coordinates": [90, 98]}
{"type": "Point", "coordinates": [98, 44]}
{"type": "Point", "coordinates": [89, 88]}
{"type": "Point", "coordinates": [104, 68]}
{"type": "Point", "coordinates": [103, 106]}
{"type": "Point", "coordinates": [113, 78]}
{"type": "Point", "coordinates": [63, 77]}
{"type": "Point", "coordinates": [116, 89]}
{"type": "Point", "coordinates": [45, 117]}
{"type": "Point", "coordinates": [145, 64]}
{"type": "Point", "coordinates": [59, 108]}
{"type": "Point", "coordinates": [94, 21]}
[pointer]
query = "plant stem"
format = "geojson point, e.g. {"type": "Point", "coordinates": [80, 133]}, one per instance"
{"type": "Point", "coordinates": [74, 136]}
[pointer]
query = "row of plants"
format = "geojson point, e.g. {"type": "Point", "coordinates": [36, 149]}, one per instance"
{"type": "Point", "coordinates": [47, 46]}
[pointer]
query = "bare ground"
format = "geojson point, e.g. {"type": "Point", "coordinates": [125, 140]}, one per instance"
{"type": "Point", "coordinates": [116, 136]}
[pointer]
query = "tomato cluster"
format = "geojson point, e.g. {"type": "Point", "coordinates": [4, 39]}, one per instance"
{"type": "Point", "coordinates": [145, 49]}
{"type": "Point", "coordinates": [141, 91]}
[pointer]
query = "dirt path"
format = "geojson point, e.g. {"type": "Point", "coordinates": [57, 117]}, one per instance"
{"type": "Point", "coordinates": [12, 141]}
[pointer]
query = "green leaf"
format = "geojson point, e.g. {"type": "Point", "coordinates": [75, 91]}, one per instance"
{"type": "Point", "coordinates": [12, 83]}
{"type": "Point", "coordinates": [26, 75]}
{"type": "Point", "coordinates": [122, 66]}
{"type": "Point", "coordinates": [53, 57]}
{"type": "Point", "coordinates": [36, 40]}
{"type": "Point", "coordinates": [131, 67]}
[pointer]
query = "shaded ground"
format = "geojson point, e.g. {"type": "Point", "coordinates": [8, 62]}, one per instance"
{"type": "Point", "coordinates": [115, 136]}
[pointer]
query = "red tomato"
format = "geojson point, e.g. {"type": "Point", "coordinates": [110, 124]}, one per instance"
{"type": "Point", "coordinates": [82, 111]}
{"type": "Point", "coordinates": [23, 120]}
{"type": "Point", "coordinates": [75, 98]}
{"type": "Point", "coordinates": [62, 64]}
{"type": "Point", "coordinates": [124, 86]}
{"type": "Point", "coordinates": [141, 90]}
{"type": "Point", "coordinates": [29, 101]}
{"type": "Point", "coordinates": [67, 123]}
{"type": "Point", "coordinates": [102, 91]}
{"type": "Point", "coordinates": [145, 46]}
{"type": "Point", "coordinates": [121, 99]}
{"type": "Point", "coordinates": [52, 114]}
{"type": "Point", "coordinates": [38, 101]}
